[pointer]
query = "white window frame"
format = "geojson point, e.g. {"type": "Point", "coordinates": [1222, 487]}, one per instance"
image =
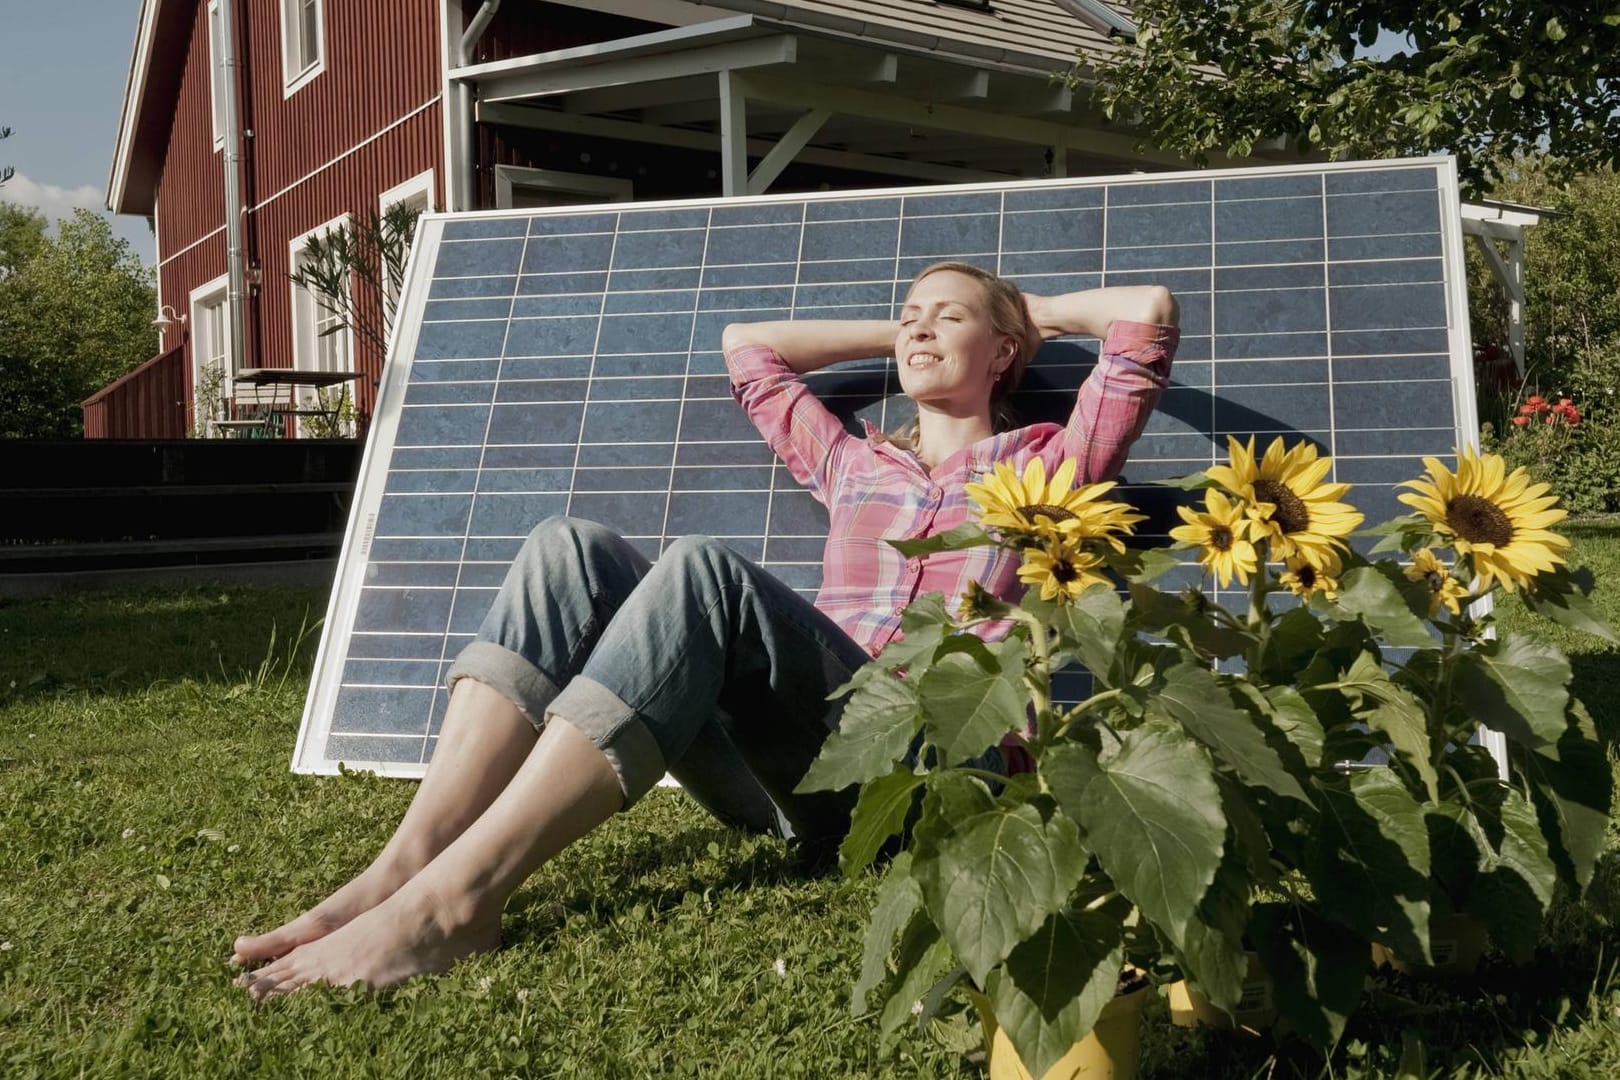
{"type": "Point", "coordinates": [293, 80]}
{"type": "Point", "coordinates": [210, 315]}
{"type": "Point", "coordinates": [418, 188]}
{"type": "Point", "coordinates": [217, 82]}
{"type": "Point", "coordinates": [605, 188]}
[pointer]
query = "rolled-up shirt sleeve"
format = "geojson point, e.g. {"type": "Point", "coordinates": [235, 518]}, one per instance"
{"type": "Point", "coordinates": [1115, 401]}
{"type": "Point", "coordinates": [802, 431]}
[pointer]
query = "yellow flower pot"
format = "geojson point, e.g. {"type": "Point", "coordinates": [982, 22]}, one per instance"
{"type": "Point", "coordinates": [1455, 941]}
{"type": "Point", "coordinates": [1110, 1052]}
{"type": "Point", "coordinates": [1256, 1009]}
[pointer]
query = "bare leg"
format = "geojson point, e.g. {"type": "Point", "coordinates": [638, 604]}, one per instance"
{"type": "Point", "coordinates": [483, 743]}
{"type": "Point", "coordinates": [452, 907]}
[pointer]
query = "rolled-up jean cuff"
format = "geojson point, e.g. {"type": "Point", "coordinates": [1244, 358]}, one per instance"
{"type": "Point", "coordinates": [507, 673]}
{"type": "Point", "coordinates": [617, 730]}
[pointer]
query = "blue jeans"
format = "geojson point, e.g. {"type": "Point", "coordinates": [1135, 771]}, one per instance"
{"type": "Point", "coordinates": [703, 665]}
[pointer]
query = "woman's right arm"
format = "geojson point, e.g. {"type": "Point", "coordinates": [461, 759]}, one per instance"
{"type": "Point", "coordinates": [811, 344]}
{"type": "Point", "coordinates": [765, 361]}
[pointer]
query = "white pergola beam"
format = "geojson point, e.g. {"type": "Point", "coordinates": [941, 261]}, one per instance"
{"type": "Point", "coordinates": [845, 100]}
{"type": "Point", "coordinates": [793, 140]}
{"type": "Point", "coordinates": [629, 131]}
{"type": "Point", "coordinates": [674, 93]}
{"type": "Point", "coordinates": [544, 81]}
{"type": "Point", "coordinates": [1509, 274]}
{"type": "Point", "coordinates": [959, 84]}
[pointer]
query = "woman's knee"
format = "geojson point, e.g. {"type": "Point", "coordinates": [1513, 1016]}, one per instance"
{"type": "Point", "coordinates": [697, 557]}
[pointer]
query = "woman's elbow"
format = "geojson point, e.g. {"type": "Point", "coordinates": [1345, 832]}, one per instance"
{"type": "Point", "coordinates": [1159, 305]}
{"type": "Point", "coordinates": [737, 335]}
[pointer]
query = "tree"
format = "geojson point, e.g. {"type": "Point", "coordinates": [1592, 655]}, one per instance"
{"type": "Point", "coordinates": [75, 314]}
{"type": "Point", "coordinates": [6, 171]}
{"type": "Point", "coordinates": [1488, 82]}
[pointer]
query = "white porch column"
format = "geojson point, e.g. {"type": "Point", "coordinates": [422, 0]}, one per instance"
{"type": "Point", "coordinates": [733, 136]}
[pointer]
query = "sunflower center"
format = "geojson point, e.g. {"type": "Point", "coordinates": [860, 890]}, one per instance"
{"type": "Point", "coordinates": [1064, 571]}
{"type": "Point", "coordinates": [1220, 538]}
{"type": "Point", "coordinates": [1291, 513]}
{"type": "Point", "coordinates": [1306, 576]}
{"type": "Point", "coordinates": [1437, 581]}
{"type": "Point", "coordinates": [1054, 514]}
{"type": "Point", "coordinates": [1479, 521]}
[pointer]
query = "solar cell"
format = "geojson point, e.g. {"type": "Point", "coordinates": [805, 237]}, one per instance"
{"type": "Point", "coordinates": [567, 361]}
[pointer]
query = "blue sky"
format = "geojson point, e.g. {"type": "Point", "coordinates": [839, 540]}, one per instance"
{"type": "Point", "coordinates": [62, 71]}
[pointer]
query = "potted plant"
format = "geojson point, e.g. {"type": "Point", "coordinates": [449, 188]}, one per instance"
{"type": "Point", "coordinates": [1219, 752]}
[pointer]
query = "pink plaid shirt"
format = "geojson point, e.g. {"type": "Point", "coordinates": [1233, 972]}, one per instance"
{"type": "Point", "coordinates": [876, 491]}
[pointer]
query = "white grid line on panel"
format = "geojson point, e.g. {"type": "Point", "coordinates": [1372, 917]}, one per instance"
{"type": "Point", "coordinates": [680, 409]}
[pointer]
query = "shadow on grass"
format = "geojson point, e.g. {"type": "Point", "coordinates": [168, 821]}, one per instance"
{"type": "Point", "coordinates": [114, 641]}
{"type": "Point", "coordinates": [658, 873]}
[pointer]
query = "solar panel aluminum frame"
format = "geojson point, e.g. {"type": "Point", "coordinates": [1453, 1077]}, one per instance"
{"type": "Point", "coordinates": [310, 752]}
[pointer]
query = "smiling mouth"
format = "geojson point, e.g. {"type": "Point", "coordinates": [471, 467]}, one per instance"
{"type": "Point", "coordinates": [916, 360]}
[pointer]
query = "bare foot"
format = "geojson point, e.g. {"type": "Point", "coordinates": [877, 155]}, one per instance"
{"type": "Point", "coordinates": [411, 933]}
{"type": "Point", "coordinates": [369, 888]}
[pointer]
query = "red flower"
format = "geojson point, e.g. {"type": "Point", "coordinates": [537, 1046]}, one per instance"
{"type": "Point", "coordinates": [1520, 421]}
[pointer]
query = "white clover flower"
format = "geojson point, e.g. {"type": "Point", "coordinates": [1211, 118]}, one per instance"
{"type": "Point", "coordinates": [523, 995]}
{"type": "Point", "coordinates": [485, 983]}
{"type": "Point", "coordinates": [127, 833]}
{"type": "Point", "coordinates": [781, 968]}
{"type": "Point", "coordinates": [5, 946]}
{"type": "Point", "coordinates": [916, 1008]}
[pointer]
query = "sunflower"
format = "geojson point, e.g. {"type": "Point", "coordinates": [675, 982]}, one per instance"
{"type": "Point", "coordinates": [1286, 499]}
{"type": "Point", "coordinates": [1305, 578]}
{"type": "Point", "coordinates": [1444, 590]}
{"type": "Point", "coordinates": [1221, 533]}
{"type": "Point", "coordinates": [1062, 568]}
{"type": "Point", "coordinates": [1035, 510]}
{"type": "Point", "coordinates": [1499, 521]}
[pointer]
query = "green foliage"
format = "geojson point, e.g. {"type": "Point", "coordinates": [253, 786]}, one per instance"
{"type": "Point", "coordinates": [75, 314]}
{"type": "Point", "coordinates": [1160, 806]}
{"type": "Point", "coordinates": [1572, 339]}
{"type": "Point", "coordinates": [1487, 83]}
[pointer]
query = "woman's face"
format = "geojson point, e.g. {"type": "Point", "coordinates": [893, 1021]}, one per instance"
{"type": "Point", "coordinates": [948, 352]}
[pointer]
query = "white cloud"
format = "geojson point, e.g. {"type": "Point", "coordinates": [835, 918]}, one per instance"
{"type": "Point", "coordinates": [49, 199]}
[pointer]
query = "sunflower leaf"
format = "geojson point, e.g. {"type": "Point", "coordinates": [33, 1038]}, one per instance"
{"type": "Point", "coordinates": [1316, 986]}
{"type": "Point", "coordinates": [1193, 697]}
{"type": "Point", "coordinates": [996, 878]}
{"type": "Point", "coordinates": [1196, 481]}
{"type": "Point", "coordinates": [965, 535]}
{"type": "Point", "coordinates": [874, 731]}
{"type": "Point", "coordinates": [969, 703]}
{"type": "Point", "coordinates": [1368, 860]}
{"type": "Point", "coordinates": [1141, 564]}
{"type": "Point", "coordinates": [1518, 877]}
{"type": "Point", "coordinates": [1383, 705]}
{"type": "Point", "coordinates": [920, 959]}
{"type": "Point", "coordinates": [1518, 685]}
{"type": "Point", "coordinates": [1151, 814]}
{"type": "Point", "coordinates": [879, 813]}
{"type": "Point", "coordinates": [1093, 625]}
{"type": "Point", "coordinates": [1564, 596]}
{"type": "Point", "coordinates": [898, 899]}
{"type": "Point", "coordinates": [1054, 986]}
{"type": "Point", "coordinates": [1573, 791]}
{"type": "Point", "coordinates": [1372, 594]}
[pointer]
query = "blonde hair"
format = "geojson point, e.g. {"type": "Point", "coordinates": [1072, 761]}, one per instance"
{"type": "Point", "coordinates": [1008, 315]}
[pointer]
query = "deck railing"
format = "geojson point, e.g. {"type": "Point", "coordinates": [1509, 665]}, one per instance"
{"type": "Point", "coordinates": [148, 403]}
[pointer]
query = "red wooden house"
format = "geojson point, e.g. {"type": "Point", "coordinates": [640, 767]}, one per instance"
{"type": "Point", "coordinates": [251, 125]}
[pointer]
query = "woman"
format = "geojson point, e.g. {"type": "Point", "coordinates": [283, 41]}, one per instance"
{"type": "Point", "coordinates": [704, 664]}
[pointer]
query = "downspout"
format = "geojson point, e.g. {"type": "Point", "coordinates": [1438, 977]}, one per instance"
{"type": "Point", "coordinates": [232, 155]}
{"type": "Point", "coordinates": [253, 270]}
{"type": "Point", "coordinates": [464, 104]}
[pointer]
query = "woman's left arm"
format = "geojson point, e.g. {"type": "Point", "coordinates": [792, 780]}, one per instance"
{"type": "Point", "coordinates": [1138, 326]}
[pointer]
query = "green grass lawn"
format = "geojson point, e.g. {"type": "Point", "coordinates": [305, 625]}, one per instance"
{"type": "Point", "coordinates": [147, 815]}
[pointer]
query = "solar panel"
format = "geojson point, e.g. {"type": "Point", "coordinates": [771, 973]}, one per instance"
{"type": "Point", "coordinates": [567, 360]}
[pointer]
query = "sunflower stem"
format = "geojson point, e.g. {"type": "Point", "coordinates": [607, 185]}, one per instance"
{"type": "Point", "coordinates": [1081, 709]}
{"type": "Point", "coordinates": [1038, 675]}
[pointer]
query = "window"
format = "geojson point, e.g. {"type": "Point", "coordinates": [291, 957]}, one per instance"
{"type": "Point", "coordinates": [212, 366]}
{"type": "Point", "coordinates": [518, 188]}
{"type": "Point", "coordinates": [414, 194]}
{"type": "Point", "coordinates": [218, 84]}
{"type": "Point", "coordinates": [303, 42]}
{"type": "Point", "coordinates": [321, 340]}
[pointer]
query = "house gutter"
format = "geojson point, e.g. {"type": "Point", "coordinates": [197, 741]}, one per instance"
{"type": "Point", "coordinates": [231, 155]}
{"type": "Point", "coordinates": [463, 103]}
